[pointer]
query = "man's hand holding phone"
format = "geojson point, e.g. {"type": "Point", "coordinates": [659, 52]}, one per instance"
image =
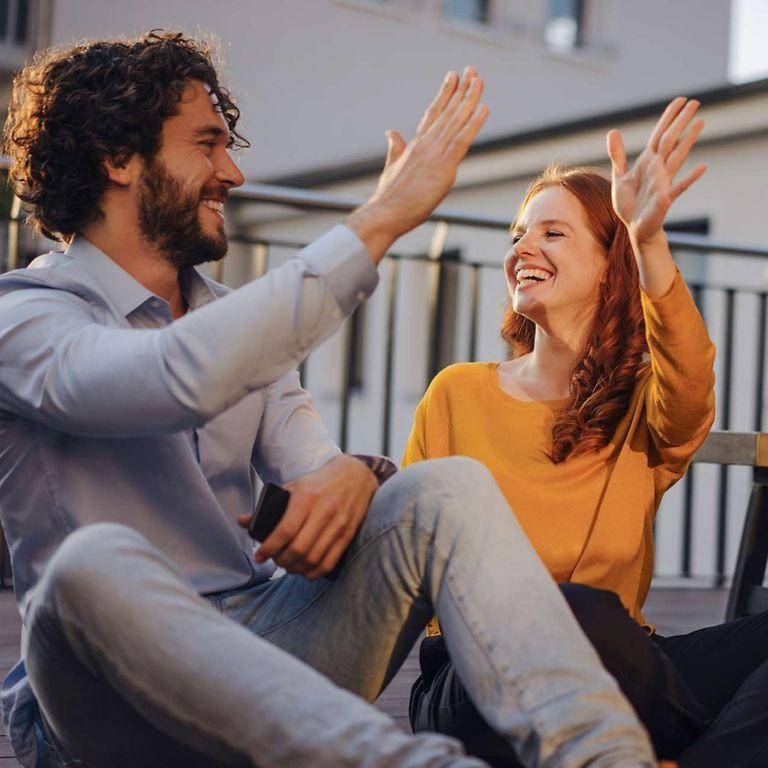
{"type": "Point", "coordinates": [325, 509]}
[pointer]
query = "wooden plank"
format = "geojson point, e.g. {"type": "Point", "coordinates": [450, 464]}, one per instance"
{"type": "Point", "coordinates": [734, 448]}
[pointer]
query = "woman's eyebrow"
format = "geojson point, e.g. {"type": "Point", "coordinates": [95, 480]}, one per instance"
{"type": "Point", "coordinates": [545, 223]}
{"type": "Point", "coordinates": [557, 222]}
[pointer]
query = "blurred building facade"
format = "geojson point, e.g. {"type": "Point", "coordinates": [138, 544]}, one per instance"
{"type": "Point", "coordinates": [319, 81]}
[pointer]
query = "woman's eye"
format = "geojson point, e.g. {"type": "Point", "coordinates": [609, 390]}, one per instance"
{"type": "Point", "coordinates": [554, 233]}
{"type": "Point", "coordinates": [515, 238]}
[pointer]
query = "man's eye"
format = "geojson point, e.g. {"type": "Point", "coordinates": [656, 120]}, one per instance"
{"type": "Point", "coordinates": [209, 144]}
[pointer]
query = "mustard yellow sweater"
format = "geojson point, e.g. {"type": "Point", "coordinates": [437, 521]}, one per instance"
{"type": "Point", "coordinates": [589, 518]}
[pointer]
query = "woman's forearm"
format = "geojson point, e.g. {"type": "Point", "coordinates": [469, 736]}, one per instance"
{"type": "Point", "coordinates": [655, 264]}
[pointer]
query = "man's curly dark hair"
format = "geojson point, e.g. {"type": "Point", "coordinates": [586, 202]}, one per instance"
{"type": "Point", "coordinates": [71, 109]}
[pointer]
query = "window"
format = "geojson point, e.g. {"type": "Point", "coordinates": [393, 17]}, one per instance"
{"type": "Point", "coordinates": [14, 21]}
{"type": "Point", "coordinates": [22, 15]}
{"type": "Point", "coordinates": [565, 22]}
{"type": "Point", "coordinates": [3, 19]}
{"type": "Point", "coordinates": [466, 10]}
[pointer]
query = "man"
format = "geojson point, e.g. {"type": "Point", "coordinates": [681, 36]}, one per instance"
{"type": "Point", "coordinates": [137, 400]}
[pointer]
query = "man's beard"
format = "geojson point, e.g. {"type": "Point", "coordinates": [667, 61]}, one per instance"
{"type": "Point", "coordinates": [169, 220]}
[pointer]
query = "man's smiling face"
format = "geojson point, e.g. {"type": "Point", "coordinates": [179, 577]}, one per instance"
{"type": "Point", "coordinates": [183, 188]}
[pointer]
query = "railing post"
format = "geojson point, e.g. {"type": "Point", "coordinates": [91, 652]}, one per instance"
{"type": "Point", "coordinates": [259, 260]}
{"type": "Point", "coordinates": [14, 235]}
{"type": "Point", "coordinates": [389, 362]}
{"type": "Point", "coordinates": [725, 424]}
{"type": "Point", "coordinates": [435, 297]}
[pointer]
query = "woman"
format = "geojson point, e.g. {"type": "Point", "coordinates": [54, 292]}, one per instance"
{"type": "Point", "coordinates": [608, 395]}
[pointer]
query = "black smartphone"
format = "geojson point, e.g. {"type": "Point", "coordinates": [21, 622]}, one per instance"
{"type": "Point", "coordinates": [269, 511]}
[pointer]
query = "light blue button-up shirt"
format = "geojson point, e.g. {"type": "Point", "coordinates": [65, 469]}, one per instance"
{"type": "Point", "coordinates": [110, 411]}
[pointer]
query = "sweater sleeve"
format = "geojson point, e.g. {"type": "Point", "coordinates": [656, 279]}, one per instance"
{"type": "Point", "coordinates": [679, 397]}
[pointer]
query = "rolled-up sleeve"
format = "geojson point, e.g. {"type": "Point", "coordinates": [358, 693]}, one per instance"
{"type": "Point", "coordinates": [61, 367]}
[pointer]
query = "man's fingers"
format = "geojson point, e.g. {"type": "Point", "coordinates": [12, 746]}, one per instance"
{"type": "Point", "coordinates": [679, 154]}
{"type": "Point", "coordinates": [439, 103]}
{"type": "Point", "coordinates": [395, 147]}
{"type": "Point", "coordinates": [288, 528]}
{"type": "Point", "coordinates": [300, 554]}
{"type": "Point", "coordinates": [319, 559]}
{"type": "Point", "coordinates": [457, 99]}
{"type": "Point", "coordinates": [464, 110]}
{"type": "Point", "coordinates": [329, 561]}
{"type": "Point", "coordinates": [670, 137]}
{"type": "Point", "coordinates": [616, 152]}
{"type": "Point", "coordinates": [669, 114]}
{"type": "Point", "coordinates": [462, 141]}
{"type": "Point", "coordinates": [693, 176]}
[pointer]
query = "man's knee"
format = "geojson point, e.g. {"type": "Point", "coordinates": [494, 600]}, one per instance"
{"type": "Point", "coordinates": [455, 486]}
{"type": "Point", "coordinates": [89, 556]}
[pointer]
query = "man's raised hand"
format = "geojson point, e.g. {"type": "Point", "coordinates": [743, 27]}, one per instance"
{"type": "Point", "coordinates": [418, 175]}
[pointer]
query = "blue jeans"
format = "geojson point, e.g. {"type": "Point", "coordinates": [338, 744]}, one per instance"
{"type": "Point", "coordinates": [132, 668]}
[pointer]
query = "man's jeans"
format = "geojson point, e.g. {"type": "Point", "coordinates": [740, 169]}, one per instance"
{"type": "Point", "coordinates": [132, 668]}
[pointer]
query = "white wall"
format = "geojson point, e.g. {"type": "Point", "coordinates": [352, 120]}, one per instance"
{"type": "Point", "coordinates": [321, 80]}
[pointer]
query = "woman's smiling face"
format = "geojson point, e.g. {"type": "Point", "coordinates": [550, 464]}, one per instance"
{"type": "Point", "coordinates": [555, 265]}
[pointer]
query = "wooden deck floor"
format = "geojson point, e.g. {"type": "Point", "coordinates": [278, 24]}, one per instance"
{"type": "Point", "coordinates": [674, 611]}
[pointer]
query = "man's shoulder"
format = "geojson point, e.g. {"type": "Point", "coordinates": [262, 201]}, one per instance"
{"type": "Point", "coordinates": [55, 272]}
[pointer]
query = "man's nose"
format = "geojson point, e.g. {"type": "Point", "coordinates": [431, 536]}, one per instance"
{"type": "Point", "coordinates": [228, 171]}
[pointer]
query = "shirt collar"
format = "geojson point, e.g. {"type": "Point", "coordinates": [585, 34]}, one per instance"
{"type": "Point", "coordinates": [125, 292]}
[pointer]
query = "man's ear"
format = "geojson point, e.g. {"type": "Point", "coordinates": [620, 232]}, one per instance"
{"type": "Point", "coordinates": [120, 171]}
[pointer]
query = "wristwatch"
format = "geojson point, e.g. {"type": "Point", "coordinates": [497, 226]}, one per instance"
{"type": "Point", "coordinates": [382, 467]}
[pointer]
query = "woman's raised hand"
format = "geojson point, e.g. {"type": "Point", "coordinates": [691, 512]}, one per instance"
{"type": "Point", "coordinates": [643, 193]}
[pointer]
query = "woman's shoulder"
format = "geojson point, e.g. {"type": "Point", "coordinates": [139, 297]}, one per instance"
{"type": "Point", "coordinates": [459, 376]}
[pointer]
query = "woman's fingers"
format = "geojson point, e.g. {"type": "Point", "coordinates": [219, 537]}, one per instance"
{"type": "Point", "coordinates": [439, 102]}
{"type": "Point", "coordinates": [616, 152]}
{"type": "Point", "coordinates": [671, 136]}
{"type": "Point", "coordinates": [667, 116]}
{"type": "Point", "coordinates": [693, 176]}
{"type": "Point", "coordinates": [679, 154]}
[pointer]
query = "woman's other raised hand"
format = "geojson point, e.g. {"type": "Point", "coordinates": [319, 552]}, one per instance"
{"type": "Point", "coordinates": [643, 193]}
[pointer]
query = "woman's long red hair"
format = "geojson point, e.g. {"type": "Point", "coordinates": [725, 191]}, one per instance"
{"type": "Point", "coordinates": [604, 379]}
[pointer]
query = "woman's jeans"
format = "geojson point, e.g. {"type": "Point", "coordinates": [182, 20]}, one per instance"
{"type": "Point", "coordinates": [703, 696]}
{"type": "Point", "coordinates": [132, 668]}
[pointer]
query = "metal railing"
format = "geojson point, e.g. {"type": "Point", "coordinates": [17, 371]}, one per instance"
{"type": "Point", "coordinates": [436, 262]}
